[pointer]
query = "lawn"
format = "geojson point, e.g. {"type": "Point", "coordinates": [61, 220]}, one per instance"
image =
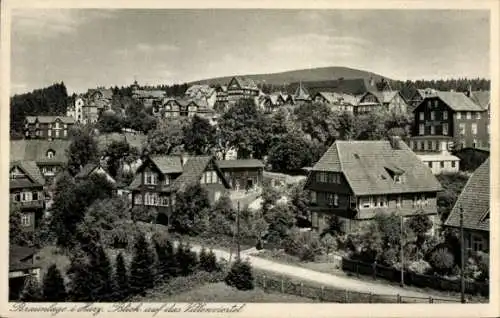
{"type": "Point", "coordinates": [220, 292]}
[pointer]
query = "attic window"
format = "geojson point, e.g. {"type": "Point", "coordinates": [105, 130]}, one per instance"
{"type": "Point", "coordinates": [356, 156]}
{"type": "Point", "coordinates": [396, 174]}
{"type": "Point", "coordinates": [51, 154]}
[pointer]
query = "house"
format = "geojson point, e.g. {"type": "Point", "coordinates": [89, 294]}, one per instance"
{"type": "Point", "coordinates": [337, 101]}
{"type": "Point", "coordinates": [87, 108]}
{"type": "Point", "coordinates": [147, 97]}
{"type": "Point", "coordinates": [242, 174]}
{"type": "Point", "coordinates": [76, 110]}
{"type": "Point", "coordinates": [416, 96]}
{"type": "Point", "coordinates": [439, 163]}
{"type": "Point", "coordinates": [354, 180]}
{"type": "Point", "coordinates": [184, 107]}
{"type": "Point", "coordinates": [49, 156]}
{"type": "Point", "coordinates": [22, 265]}
{"type": "Point", "coordinates": [204, 92]}
{"type": "Point", "coordinates": [222, 100]}
{"type": "Point", "coordinates": [391, 101]}
{"type": "Point", "coordinates": [301, 95]}
{"type": "Point", "coordinates": [94, 168]}
{"type": "Point", "coordinates": [159, 178]}
{"type": "Point", "coordinates": [270, 103]}
{"type": "Point", "coordinates": [481, 98]}
{"type": "Point", "coordinates": [47, 127]}
{"type": "Point", "coordinates": [474, 201]}
{"type": "Point", "coordinates": [26, 190]}
{"type": "Point", "coordinates": [451, 119]}
{"type": "Point", "coordinates": [241, 87]}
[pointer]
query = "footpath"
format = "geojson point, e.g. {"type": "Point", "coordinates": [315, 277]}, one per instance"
{"type": "Point", "coordinates": [328, 280]}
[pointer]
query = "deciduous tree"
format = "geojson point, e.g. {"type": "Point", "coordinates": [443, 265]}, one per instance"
{"type": "Point", "coordinates": [199, 137]}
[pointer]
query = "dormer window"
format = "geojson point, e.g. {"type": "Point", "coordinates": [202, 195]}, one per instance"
{"type": "Point", "coordinates": [51, 154]}
{"type": "Point", "coordinates": [396, 174]}
{"type": "Point", "coordinates": [166, 181]}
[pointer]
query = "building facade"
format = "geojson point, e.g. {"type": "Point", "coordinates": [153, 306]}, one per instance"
{"type": "Point", "coordinates": [355, 180]}
{"type": "Point", "coordinates": [183, 107]}
{"type": "Point", "coordinates": [241, 88]}
{"type": "Point", "coordinates": [337, 101]}
{"type": "Point", "coordinates": [48, 127]}
{"type": "Point", "coordinates": [26, 191]}
{"type": "Point", "coordinates": [159, 178]}
{"type": "Point", "coordinates": [451, 119]}
{"type": "Point", "coordinates": [474, 201]}
{"type": "Point", "coordinates": [243, 174]}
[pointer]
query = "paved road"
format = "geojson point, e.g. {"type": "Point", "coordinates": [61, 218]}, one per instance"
{"type": "Point", "coordinates": [319, 277]}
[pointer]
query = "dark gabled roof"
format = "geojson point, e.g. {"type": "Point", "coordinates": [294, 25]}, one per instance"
{"type": "Point", "coordinates": [455, 100]}
{"type": "Point", "coordinates": [36, 150]}
{"type": "Point", "coordinates": [245, 82]}
{"type": "Point", "coordinates": [475, 201]}
{"type": "Point", "coordinates": [19, 257]}
{"type": "Point", "coordinates": [354, 86]}
{"type": "Point", "coordinates": [240, 163]}
{"type": "Point", "coordinates": [167, 164]}
{"type": "Point", "coordinates": [364, 164]}
{"type": "Point", "coordinates": [192, 171]}
{"type": "Point", "coordinates": [481, 98]}
{"type": "Point", "coordinates": [30, 169]}
{"type": "Point", "coordinates": [50, 119]}
{"type": "Point", "coordinates": [87, 170]}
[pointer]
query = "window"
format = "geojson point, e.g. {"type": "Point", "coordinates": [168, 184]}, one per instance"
{"type": "Point", "coordinates": [436, 146]}
{"type": "Point", "coordinates": [445, 114]}
{"type": "Point", "coordinates": [469, 115]}
{"type": "Point", "coordinates": [433, 130]}
{"type": "Point", "coordinates": [421, 129]}
{"type": "Point", "coordinates": [477, 243]}
{"type": "Point", "coordinates": [459, 115]}
{"type": "Point", "coordinates": [57, 133]}
{"type": "Point", "coordinates": [166, 181]}
{"type": "Point", "coordinates": [365, 202]}
{"type": "Point", "coordinates": [65, 133]}
{"type": "Point", "coordinates": [217, 196]}
{"type": "Point", "coordinates": [26, 196]}
{"type": "Point", "coordinates": [433, 115]}
{"type": "Point", "coordinates": [381, 202]}
{"type": "Point", "coordinates": [478, 115]}
{"type": "Point", "coordinates": [461, 129]}
{"type": "Point", "coordinates": [313, 197]}
{"type": "Point", "coordinates": [25, 220]}
{"type": "Point", "coordinates": [474, 143]}
{"type": "Point", "coordinates": [34, 195]}
{"type": "Point", "coordinates": [398, 201]}
{"type": "Point", "coordinates": [429, 145]}
{"type": "Point", "coordinates": [424, 200]}
{"type": "Point", "coordinates": [453, 163]}
{"type": "Point", "coordinates": [50, 154]}
{"type": "Point", "coordinates": [429, 104]}
{"type": "Point", "coordinates": [57, 125]}
{"type": "Point", "coordinates": [488, 128]}
{"type": "Point", "coordinates": [421, 116]}
{"type": "Point", "coordinates": [17, 197]}
{"type": "Point", "coordinates": [49, 132]}
{"type": "Point", "coordinates": [149, 178]}
{"type": "Point", "coordinates": [445, 129]}
{"type": "Point", "coordinates": [165, 201]}
{"type": "Point", "coordinates": [473, 128]}
{"type": "Point", "coordinates": [441, 164]}
{"type": "Point", "coordinates": [430, 164]}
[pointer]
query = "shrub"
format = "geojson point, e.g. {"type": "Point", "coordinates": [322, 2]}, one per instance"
{"type": "Point", "coordinates": [483, 263]}
{"type": "Point", "coordinates": [442, 261]}
{"type": "Point", "coordinates": [240, 276]}
{"type": "Point", "coordinates": [31, 291]}
{"type": "Point", "coordinates": [420, 267]}
{"type": "Point", "coordinates": [304, 245]}
{"type": "Point", "coordinates": [53, 285]}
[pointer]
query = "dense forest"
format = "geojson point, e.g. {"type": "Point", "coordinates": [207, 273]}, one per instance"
{"type": "Point", "coordinates": [52, 100]}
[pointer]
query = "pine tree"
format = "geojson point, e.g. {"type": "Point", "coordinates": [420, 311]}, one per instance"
{"type": "Point", "coordinates": [122, 287]}
{"type": "Point", "coordinates": [171, 265]}
{"type": "Point", "coordinates": [31, 291]}
{"type": "Point", "coordinates": [142, 267]}
{"type": "Point", "coordinates": [102, 272]}
{"type": "Point", "coordinates": [240, 276]}
{"type": "Point", "coordinates": [161, 261]}
{"type": "Point", "coordinates": [79, 273]}
{"type": "Point", "coordinates": [204, 260]}
{"type": "Point", "coordinates": [53, 285]}
{"type": "Point", "coordinates": [212, 262]}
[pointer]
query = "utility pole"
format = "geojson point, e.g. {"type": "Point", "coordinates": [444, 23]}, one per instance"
{"type": "Point", "coordinates": [238, 230]}
{"type": "Point", "coordinates": [462, 261]}
{"type": "Point", "coordinates": [402, 253]}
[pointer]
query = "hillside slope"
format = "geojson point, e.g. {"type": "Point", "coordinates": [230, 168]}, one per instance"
{"type": "Point", "coordinates": [305, 75]}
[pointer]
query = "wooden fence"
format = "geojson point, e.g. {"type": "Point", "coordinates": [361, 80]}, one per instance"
{"type": "Point", "coordinates": [411, 278]}
{"type": "Point", "coordinates": [283, 285]}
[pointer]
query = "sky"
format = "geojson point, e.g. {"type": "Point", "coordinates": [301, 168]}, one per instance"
{"type": "Point", "coordinates": [87, 48]}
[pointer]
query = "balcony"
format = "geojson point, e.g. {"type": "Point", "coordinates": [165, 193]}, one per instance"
{"type": "Point", "coordinates": [35, 204]}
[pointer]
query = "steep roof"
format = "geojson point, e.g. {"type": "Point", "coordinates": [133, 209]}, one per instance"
{"type": "Point", "coordinates": [245, 82]}
{"type": "Point", "coordinates": [105, 93]}
{"type": "Point", "coordinates": [365, 164]}
{"type": "Point", "coordinates": [481, 98]}
{"type": "Point", "coordinates": [87, 170]}
{"type": "Point", "coordinates": [30, 169]}
{"type": "Point", "coordinates": [19, 257]}
{"type": "Point", "coordinates": [354, 86]}
{"type": "Point", "coordinates": [240, 163]}
{"type": "Point", "coordinates": [475, 201]}
{"type": "Point", "coordinates": [36, 150]}
{"type": "Point", "coordinates": [203, 90]}
{"type": "Point", "coordinates": [167, 164]}
{"type": "Point", "coordinates": [193, 170]}
{"type": "Point", "coordinates": [455, 100]}
{"type": "Point", "coordinates": [50, 119]}
{"type": "Point", "coordinates": [301, 93]}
